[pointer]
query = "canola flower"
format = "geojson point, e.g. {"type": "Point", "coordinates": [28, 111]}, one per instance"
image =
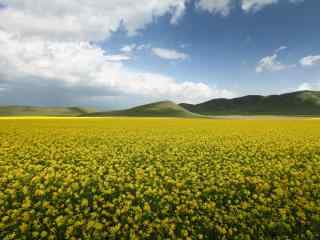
{"type": "Point", "coordinates": [68, 178]}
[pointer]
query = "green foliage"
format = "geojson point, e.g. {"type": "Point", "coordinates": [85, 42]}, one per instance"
{"type": "Point", "coordinates": [121, 178]}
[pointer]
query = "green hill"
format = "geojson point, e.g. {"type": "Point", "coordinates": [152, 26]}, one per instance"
{"type": "Point", "coordinates": [292, 104]}
{"type": "Point", "coordinates": [158, 109]}
{"type": "Point", "coordinates": [42, 111]}
{"type": "Point", "coordinates": [304, 103]}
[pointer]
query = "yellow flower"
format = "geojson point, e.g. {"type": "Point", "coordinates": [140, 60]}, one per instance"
{"type": "Point", "coordinates": [26, 203]}
{"type": "Point", "coordinates": [24, 227]}
{"type": "Point", "coordinates": [146, 207]}
{"type": "Point", "coordinates": [59, 221]}
{"type": "Point", "coordinates": [84, 202]}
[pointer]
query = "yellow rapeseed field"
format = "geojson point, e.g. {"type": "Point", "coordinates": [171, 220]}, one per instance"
{"type": "Point", "coordinates": [126, 178]}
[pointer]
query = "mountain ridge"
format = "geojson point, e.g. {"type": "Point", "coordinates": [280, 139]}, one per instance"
{"type": "Point", "coordinates": [293, 103]}
{"type": "Point", "coordinates": [300, 103]}
{"type": "Point", "coordinates": [22, 110]}
{"type": "Point", "coordinates": [156, 109]}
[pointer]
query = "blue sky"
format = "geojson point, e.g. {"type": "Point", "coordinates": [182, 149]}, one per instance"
{"type": "Point", "coordinates": [125, 53]}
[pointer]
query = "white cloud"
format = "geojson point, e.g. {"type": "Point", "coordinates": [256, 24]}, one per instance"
{"type": "Point", "coordinates": [84, 20]}
{"type": "Point", "coordinates": [310, 61]}
{"type": "Point", "coordinates": [222, 7]}
{"type": "Point", "coordinates": [80, 64]}
{"type": "Point", "coordinates": [53, 43]}
{"type": "Point", "coordinates": [117, 57]}
{"type": "Point", "coordinates": [96, 19]}
{"type": "Point", "coordinates": [179, 12]}
{"type": "Point", "coordinates": [296, 1]}
{"type": "Point", "coordinates": [256, 5]}
{"type": "Point", "coordinates": [281, 49]}
{"type": "Point", "coordinates": [271, 63]}
{"type": "Point", "coordinates": [169, 54]}
{"type": "Point", "coordinates": [128, 48]}
{"type": "Point", "coordinates": [309, 86]}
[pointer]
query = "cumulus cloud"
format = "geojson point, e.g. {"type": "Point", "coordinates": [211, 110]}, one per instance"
{"type": "Point", "coordinates": [128, 48]}
{"type": "Point", "coordinates": [50, 50]}
{"type": "Point", "coordinates": [81, 65]}
{"type": "Point", "coordinates": [127, 52]}
{"type": "Point", "coordinates": [118, 57]}
{"type": "Point", "coordinates": [222, 7]}
{"type": "Point", "coordinates": [256, 5]}
{"type": "Point", "coordinates": [169, 54]}
{"type": "Point", "coordinates": [180, 8]}
{"type": "Point", "coordinates": [281, 49]}
{"type": "Point", "coordinates": [271, 63]}
{"type": "Point", "coordinates": [84, 20]}
{"type": "Point", "coordinates": [310, 61]}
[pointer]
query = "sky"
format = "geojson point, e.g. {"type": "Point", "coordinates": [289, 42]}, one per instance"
{"type": "Point", "coordinates": [121, 53]}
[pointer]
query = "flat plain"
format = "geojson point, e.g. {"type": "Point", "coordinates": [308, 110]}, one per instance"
{"type": "Point", "coordinates": [152, 178]}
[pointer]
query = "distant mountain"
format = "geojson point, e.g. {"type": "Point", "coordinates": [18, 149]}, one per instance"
{"type": "Point", "coordinates": [295, 103]}
{"type": "Point", "coordinates": [42, 111]}
{"type": "Point", "coordinates": [158, 109]}
{"type": "Point", "coordinates": [301, 103]}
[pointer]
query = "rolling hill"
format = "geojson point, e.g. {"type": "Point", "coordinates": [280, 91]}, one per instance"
{"type": "Point", "coordinates": [42, 111]}
{"type": "Point", "coordinates": [290, 104]}
{"type": "Point", "coordinates": [303, 103]}
{"type": "Point", "coordinates": [158, 109]}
